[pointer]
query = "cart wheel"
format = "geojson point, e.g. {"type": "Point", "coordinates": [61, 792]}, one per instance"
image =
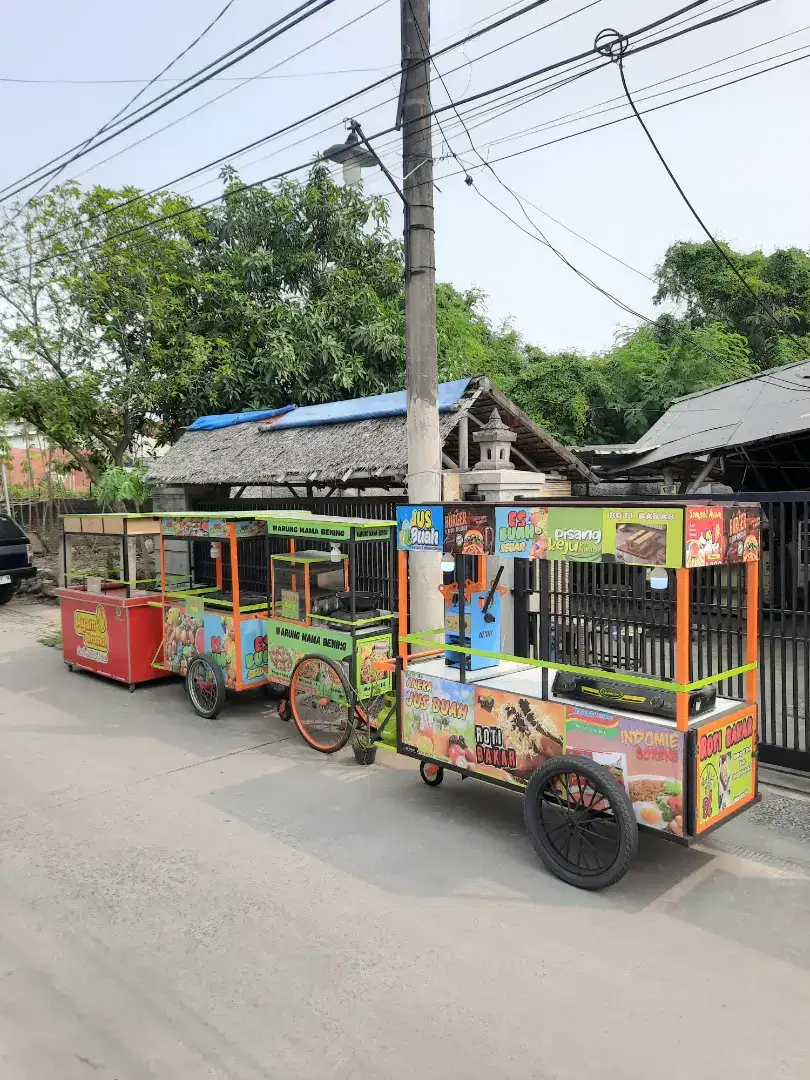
{"type": "Point", "coordinates": [132, 687]}
{"type": "Point", "coordinates": [284, 709]}
{"type": "Point", "coordinates": [320, 702]}
{"type": "Point", "coordinates": [68, 665]}
{"type": "Point", "coordinates": [430, 773]}
{"type": "Point", "coordinates": [580, 821]}
{"type": "Point", "coordinates": [205, 684]}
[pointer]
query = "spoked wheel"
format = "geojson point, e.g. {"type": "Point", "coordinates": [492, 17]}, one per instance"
{"type": "Point", "coordinates": [320, 699]}
{"type": "Point", "coordinates": [580, 820]}
{"type": "Point", "coordinates": [430, 773]}
{"type": "Point", "coordinates": [205, 684]}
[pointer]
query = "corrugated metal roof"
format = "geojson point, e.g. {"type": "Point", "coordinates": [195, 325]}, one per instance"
{"type": "Point", "coordinates": [769, 405]}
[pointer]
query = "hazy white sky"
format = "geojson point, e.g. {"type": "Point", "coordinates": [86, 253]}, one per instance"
{"type": "Point", "coordinates": [741, 153]}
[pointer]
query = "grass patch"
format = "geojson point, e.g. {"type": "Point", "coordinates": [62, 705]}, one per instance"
{"type": "Point", "coordinates": [53, 641]}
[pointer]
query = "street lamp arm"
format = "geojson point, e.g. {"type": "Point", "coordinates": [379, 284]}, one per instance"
{"type": "Point", "coordinates": [357, 130]}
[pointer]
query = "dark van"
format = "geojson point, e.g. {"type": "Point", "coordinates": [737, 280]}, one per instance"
{"type": "Point", "coordinates": [16, 557]}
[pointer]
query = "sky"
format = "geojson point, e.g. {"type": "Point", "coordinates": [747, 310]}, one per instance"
{"type": "Point", "coordinates": [739, 152]}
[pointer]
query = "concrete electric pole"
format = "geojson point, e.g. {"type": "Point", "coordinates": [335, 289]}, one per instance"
{"type": "Point", "coordinates": [421, 371]}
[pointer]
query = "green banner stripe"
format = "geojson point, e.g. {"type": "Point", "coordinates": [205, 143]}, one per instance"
{"type": "Point", "coordinates": [423, 638]}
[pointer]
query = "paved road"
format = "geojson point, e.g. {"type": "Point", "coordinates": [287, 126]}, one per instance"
{"type": "Point", "coordinates": [185, 900]}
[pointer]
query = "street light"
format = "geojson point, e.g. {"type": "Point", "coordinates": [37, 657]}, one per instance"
{"type": "Point", "coordinates": [352, 155]}
{"type": "Point", "coordinates": [356, 154]}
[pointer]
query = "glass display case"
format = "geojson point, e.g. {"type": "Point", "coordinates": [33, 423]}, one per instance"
{"type": "Point", "coordinates": [307, 583]}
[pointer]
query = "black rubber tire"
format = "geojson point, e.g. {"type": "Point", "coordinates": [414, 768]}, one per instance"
{"type": "Point", "coordinates": [208, 713]}
{"type": "Point", "coordinates": [284, 709]}
{"type": "Point", "coordinates": [6, 593]}
{"type": "Point", "coordinates": [620, 805]}
{"type": "Point", "coordinates": [434, 780]}
{"type": "Point", "coordinates": [132, 687]}
{"type": "Point", "coordinates": [68, 665]}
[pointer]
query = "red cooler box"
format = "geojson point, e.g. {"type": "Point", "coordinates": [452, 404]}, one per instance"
{"type": "Point", "coordinates": [112, 634]}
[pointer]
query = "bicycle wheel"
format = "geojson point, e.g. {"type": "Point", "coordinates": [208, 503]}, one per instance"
{"type": "Point", "coordinates": [205, 684]}
{"type": "Point", "coordinates": [320, 698]}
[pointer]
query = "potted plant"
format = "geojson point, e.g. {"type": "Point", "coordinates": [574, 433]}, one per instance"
{"type": "Point", "coordinates": [363, 744]}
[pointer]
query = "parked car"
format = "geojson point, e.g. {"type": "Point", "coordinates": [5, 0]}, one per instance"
{"type": "Point", "coordinates": [16, 557]}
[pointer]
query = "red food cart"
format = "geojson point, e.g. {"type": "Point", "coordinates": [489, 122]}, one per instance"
{"type": "Point", "coordinates": [112, 623]}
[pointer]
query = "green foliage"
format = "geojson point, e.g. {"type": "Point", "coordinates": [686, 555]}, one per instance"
{"type": "Point", "coordinates": [467, 343]}
{"type": "Point", "coordinates": [118, 485]}
{"type": "Point", "coordinates": [696, 276]}
{"type": "Point", "coordinates": [90, 315]}
{"type": "Point", "coordinates": [302, 301]}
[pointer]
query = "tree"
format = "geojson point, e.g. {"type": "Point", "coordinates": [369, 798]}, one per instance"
{"type": "Point", "coordinates": [90, 310]}
{"type": "Point", "coordinates": [301, 291]}
{"type": "Point", "coordinates": [468, 344]}
{"type": "Point", "coordinates": [697, 276]}
{"type": "Point", "coordinates": [652, 366]}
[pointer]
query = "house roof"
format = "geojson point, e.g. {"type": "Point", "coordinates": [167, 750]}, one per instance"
{"type": "Point", "coordinates": [767, 406]}
{"type": "Point", "coordinates": [338, 451]}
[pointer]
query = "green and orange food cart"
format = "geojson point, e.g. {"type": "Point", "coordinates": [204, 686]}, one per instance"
{"type": "Point", "coordinates": [221, 632]}
{"type": "Point", "coordinates": [597, 754]}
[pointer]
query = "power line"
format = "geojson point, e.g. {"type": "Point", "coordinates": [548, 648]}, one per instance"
{"type": "Point", "coordinates": [615, 49]}
{"type": "Point", "coordinates": [454, 105]}
{"type": "Point", "coordinates": [258, 41]}
{"type": "Point", "coordinates": [317, 113]}
{"type": "Point", "coordinates": [133, 99]}
{"type": "Point", "coordinates": [239, 84]}
{"type": "Point", "coordinates": [654, 108]}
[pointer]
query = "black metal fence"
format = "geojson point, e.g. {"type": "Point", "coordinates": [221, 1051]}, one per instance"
{"type": "Point", "coordinates": [606, 615]}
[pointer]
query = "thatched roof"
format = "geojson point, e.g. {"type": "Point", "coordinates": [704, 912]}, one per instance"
{"type": "Point", "coordinates": [359, 452]}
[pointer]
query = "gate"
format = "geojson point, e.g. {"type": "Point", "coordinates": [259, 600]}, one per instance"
{"type": "Point", "coordinates": [605, 615]}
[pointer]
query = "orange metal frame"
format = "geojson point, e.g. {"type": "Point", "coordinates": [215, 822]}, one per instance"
{"type": "Point", "coordinates": [237, 618]}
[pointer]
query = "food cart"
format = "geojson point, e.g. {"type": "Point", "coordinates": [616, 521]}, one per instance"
{"type": "Point", "coordinates": [598, 754]}
{"type": "Point", "coordinates": [247, 616]}
{"type": "Point", "coordinates": [110, 625]}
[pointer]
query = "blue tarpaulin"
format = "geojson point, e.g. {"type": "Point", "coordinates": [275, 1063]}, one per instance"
{"type": "Point", "coordinates": [221, 420]}
{"type": "Point", "coordinates": [367, 408]}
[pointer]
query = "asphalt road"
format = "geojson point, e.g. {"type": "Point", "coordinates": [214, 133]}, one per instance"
{"type": "Point", "coordinates": [185, 900]}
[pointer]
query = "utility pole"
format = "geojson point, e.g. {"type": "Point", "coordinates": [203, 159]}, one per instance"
{"type": "Point", "coordinates": [421, 371]}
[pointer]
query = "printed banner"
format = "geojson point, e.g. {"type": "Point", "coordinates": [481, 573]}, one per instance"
{"type": "Point", "coordinates": [743, 539]}
{"type": "Point", "coordinates": [209, 528]}
{"type": "Point", "coordinates": [183, 636]}
{"type": "Point", "coordinates": [704, 536]}
{"type": "Point", "coordinates": [576, 533]}
{"type": "Point", "coordinates": [253, 639]}
{"type": "Point", "coordinates": [515, 735]}
{"type": "Point", "coordinates": [724, 766]}
{"type": "Point", "coordinates": [286, 644]}
{"type": "Point", "coordinates": [420, 528]}
{"type": "Point", "coordinates": [370, 681]}
{"type": "Point", "coordinates": [650, 536]}
{"type": "Point", "coordinates": [219, 640]}
{"type": "Point", "coordinates": [647, 758]}
{"type": "Point", "coordinates": [469, 531]}
{"type": "Point", "coordinates": [437, 719]}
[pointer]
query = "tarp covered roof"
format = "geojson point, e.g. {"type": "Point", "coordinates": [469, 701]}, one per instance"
{"type": "Point", "coordinates": [367, 408]}
{"type": "Point", "coordinates": [347, 451]}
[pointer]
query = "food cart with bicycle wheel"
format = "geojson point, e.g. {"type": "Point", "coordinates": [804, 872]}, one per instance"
{"type": "Point", "coordinates": [271, 599]}
{"type": "Point", "coordinates": [598, 754]}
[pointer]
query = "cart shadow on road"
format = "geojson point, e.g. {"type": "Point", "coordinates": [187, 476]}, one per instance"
{"type": "Point", "coordinates": [462, 841]}
{"type": "Point", "coordinates": [466, 841]}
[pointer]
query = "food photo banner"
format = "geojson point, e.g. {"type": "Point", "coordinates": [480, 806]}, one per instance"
{"type": "Point", "coordinates": [670, 536]}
